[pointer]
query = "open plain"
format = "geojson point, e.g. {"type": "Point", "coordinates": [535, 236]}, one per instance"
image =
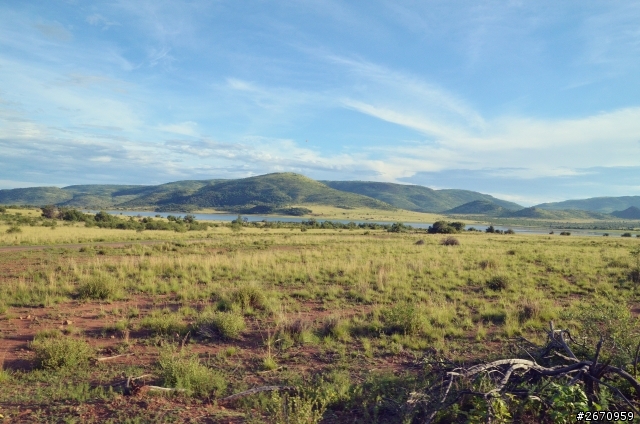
{"type": "Point", "coordinates": [344, 323]}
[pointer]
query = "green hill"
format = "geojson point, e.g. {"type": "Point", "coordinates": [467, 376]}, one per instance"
{"type": "Point", "coordinates": [595, 204]}
{"type": "Point", "coordinates": [415, 197]}
{"type": "Point", "coordinates": [278, 189]}
{"type": "Point", "coordinates": [537, 213]}
{"type": "Point", "coordinates": [170, 193]}
{"type": "Point", "coordinates": [631, 212]}
{"type": "Point", "coordinates": [478, 207]}
{"type": "Point", "coordinates": [34, 196]}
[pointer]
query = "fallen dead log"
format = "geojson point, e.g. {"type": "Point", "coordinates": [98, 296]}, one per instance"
{"type": "Point", "coordinates": [108, 358]}
{"type": "Point", "coordinates": [257, 390]}
{"type": "Point", "coordinates": [509, 376]}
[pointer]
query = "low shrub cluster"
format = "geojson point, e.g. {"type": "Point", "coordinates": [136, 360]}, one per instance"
{"type": "Point", "coordinates": [445, 227]}
{"type": "Point", "coordinates": [54, 352]}
{"type": "Point", "coordinates": [226, 325]}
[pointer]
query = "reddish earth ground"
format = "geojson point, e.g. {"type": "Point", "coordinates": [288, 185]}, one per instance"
{"type": "Point", "coordinates": [19, 325]}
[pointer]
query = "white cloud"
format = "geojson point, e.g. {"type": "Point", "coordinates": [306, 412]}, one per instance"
{"type": "Point", "coordinates": [183, 128]}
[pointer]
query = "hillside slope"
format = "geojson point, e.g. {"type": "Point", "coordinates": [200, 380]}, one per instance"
{"type": "Point", "coordinates": [34, 196]}
{"type": "Point", "coordinates": [595, 204]}
{"type": "Point", "coordinates": [478, 207]}
{"type": "Point", "coordinates": [537, 213]}
{"type": "Point", "coordinates": [631, 212]}
{"type": "Point", "coordinates": [274, 189]}
{"type": "Point", "coordinates": [415, 197]}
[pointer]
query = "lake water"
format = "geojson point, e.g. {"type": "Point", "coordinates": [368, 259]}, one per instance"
{"type": "Point", "coordinates": [271, 218]}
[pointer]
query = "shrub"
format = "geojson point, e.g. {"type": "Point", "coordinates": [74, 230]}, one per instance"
{"type": "Point", "coordinates": [398, 227]}
{"type": "Point", "coordinates": [164, 323]}
{"type": "Point", "coordinates": [626, 235]}
{"type": "Point", "coordinates": [403, 318]}
{"type": "Point", "coordinates": [249, 297]}
{"type": "Point", "coordinates": [450, 241]}
{"type": "Point", "coordinates": [3, 209]}
{"type": "Point", "coordinates": [488, 264]}
{"type": "Point", "coordinates": [498, 283]}
{"type": "Point", "coordinates": [509, 231]}
{"type": "Point", "coordinates": [97, 287]}
{"type": "Point", "coordinates": [419, 242]}
{"type": "Point", "coordinates": [444, 227]}
{"type": "Point", "coordinates": [184, 371]}
{"type": "Point", "coordinates": [336, 327]}
{"type": "Point", "coordinates": [228, 325]}
{"type": "Point", "coordinates": [605, 235]}
{"type": "Point", "coordinates": [14, 229]}
{"type": "Point", "coordinates": [61, 352]}
{"type": "Point", "coordinates": [565, 233]}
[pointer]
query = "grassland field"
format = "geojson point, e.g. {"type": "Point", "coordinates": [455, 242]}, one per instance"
{"type": "Point", "coordinates": [345, 316]}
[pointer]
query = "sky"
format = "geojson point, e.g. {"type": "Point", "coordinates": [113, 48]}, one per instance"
{"type": "Point", "coordinates": [528, 101]}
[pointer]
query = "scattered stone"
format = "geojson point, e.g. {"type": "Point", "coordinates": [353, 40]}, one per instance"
{"type": "Point", "coordinates": [67, 322]}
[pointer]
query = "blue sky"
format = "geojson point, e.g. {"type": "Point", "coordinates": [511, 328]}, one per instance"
{"type": "Point", "coordinates": [528, 101]}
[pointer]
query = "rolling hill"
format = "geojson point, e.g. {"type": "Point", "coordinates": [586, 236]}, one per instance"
{"type": "Point", "coordinates": [275, 189]}
{"type": "Point", "coordinates": [477, 207]}
{"type": "Point", "coordinates": [595, 204]}
{"type": "Point", "coordinates": [631, 212]}
{"type": "Point", "coordinates": [415, 197]}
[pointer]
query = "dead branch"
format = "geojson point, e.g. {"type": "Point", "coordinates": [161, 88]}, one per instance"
{"type": "Point", "coordinates": [512, 374]}
{"type": "Point", "coordinates": [257, 390]}
{"type": "Point", "coordinates": [108, 358]}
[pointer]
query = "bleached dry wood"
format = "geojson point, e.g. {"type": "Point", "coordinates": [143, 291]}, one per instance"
{"type": "Point", "coordinates": [257, 390]}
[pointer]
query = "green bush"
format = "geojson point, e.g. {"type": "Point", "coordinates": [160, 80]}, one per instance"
{"type": "Point", "coordinates": [444, 227]}
{"type": "Point", "coordinates": [227, 325]}
{"type": "Point", "coordinates": [249, 297]}
{"type": "Point", "coordinates": [98, 287]}
{"type": "Point", "coordinates": [61, 352]}
{"type": "Point", "coordinates": [185, 371]}
{"type": "Point", "coordinates": [404, 318]}
{"type": "Point", "coordinates": [164, 323]}
{"type": "Point", "coordinates": [498, 283]}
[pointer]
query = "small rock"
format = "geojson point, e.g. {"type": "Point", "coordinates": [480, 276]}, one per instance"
{"type": "Point", "coordinates": [67, 322]}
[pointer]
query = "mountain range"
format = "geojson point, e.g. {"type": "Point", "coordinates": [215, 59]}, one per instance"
{"type": "Point", "coordinates": [276, 191]}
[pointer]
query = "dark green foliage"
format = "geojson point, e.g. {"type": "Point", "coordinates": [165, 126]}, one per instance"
{"type": "Point", "coordinates": [565, 233]}
{"type": "Point", "coordinates": [14, 229]}
{"type": "Point", "coordinates": [445, 227]}
{"type": "Point", "coordinates": [498, 283]}
{"type": "Point", "coordinates": [3, 209]}
{"type": "Point", "coordinates": [626, 235]}
{"type": "Point", "coordinates": [398, 227]}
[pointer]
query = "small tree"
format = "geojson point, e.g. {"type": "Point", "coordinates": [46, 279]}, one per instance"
{"type": "Point", "coordinates": [50, 212]}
